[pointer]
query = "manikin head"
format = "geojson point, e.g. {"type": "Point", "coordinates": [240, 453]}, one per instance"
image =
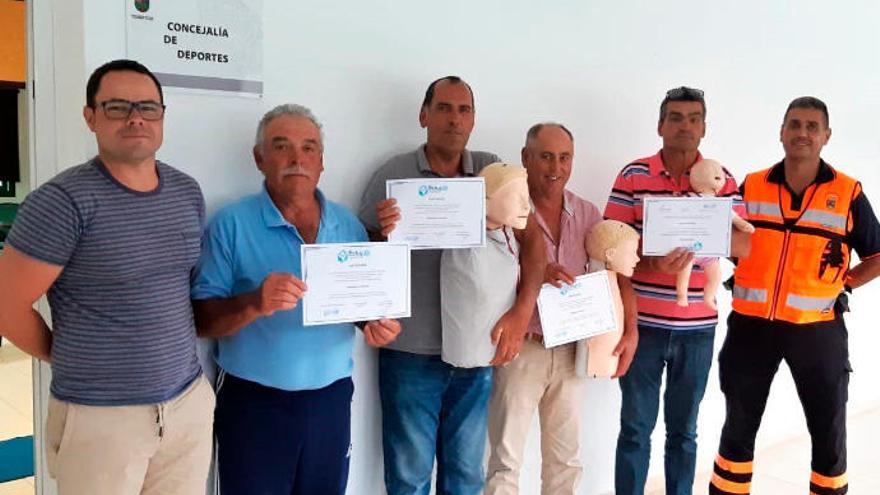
{"type": "Point", "coordinates": [707, 177]}
{"type": "Point", "coordinates": [616, 244]}
{"type": "Point", "coordinates": [507, 196]}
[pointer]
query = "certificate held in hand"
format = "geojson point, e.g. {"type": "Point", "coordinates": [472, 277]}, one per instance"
{"type": "Point", "coordinates": [577, 311]}
{"type": "Point", "coordinates": [439, 213]}
{"type": "Point", "coordinates": [700, 224]}
{"type": "Point", "coordinates": [355, 282]}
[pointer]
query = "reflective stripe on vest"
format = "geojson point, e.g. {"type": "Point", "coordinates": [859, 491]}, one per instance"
{"type": "Point", "coordinates": [746, 294]}
{"type": "Point", "coordinates": [807, 303]}
{"type": "Point", "coordinates": [763, 208]}
{"type": "Point", "coordinates": [825, 219]}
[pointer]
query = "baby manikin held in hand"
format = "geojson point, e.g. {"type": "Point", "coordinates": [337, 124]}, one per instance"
{"type": "Point", "coordinates": [611, 246]}
{"type": "Point", "coordinates": [707, 178]}
{"type": "Point", "coordinates": [478, 285]}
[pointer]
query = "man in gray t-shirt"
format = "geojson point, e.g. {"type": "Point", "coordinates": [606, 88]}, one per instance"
{"type": "Point", "coordinates": [112, 243]}
{"type": "Point", "coordinates": [430, 407]}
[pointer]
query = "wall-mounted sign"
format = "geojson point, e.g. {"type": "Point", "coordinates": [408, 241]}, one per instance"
{"type": "Point", "coordinates": [202, 44]}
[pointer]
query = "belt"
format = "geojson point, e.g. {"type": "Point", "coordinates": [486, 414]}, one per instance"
{"type": "Point", "coordinates": [535, 337]}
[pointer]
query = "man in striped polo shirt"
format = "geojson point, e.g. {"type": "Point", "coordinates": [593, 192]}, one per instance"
{"type": "Point", "coordinates": [112, 243]}
{"type": "Point", "coordinates": [677, 338]}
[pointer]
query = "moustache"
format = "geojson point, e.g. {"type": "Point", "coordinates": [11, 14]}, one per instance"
{"type": "Point", "coordinates": [295, 170]}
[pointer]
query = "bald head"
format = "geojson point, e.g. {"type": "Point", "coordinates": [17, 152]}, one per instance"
{"type": "Point", "coordinates": [536, 129]}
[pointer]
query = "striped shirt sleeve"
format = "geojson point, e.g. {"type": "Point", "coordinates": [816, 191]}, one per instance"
{"type": "Point", "coordinates": [621, 205]}
{"type": "Point", "coordinates": [48, 225]}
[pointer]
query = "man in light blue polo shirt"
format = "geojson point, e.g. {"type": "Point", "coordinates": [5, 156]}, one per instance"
{"type": "Point", "coordinates": [284, 390]}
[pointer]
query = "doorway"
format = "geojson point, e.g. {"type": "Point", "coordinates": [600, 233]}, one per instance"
{"type": "Point", "coordinates": [16, 367]}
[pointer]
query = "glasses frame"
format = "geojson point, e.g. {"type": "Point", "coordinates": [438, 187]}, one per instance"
{"type": "Point", "coordinates": [133, 105]}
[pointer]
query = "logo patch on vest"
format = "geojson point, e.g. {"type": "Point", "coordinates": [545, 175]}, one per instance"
{"type": "Point", "coordinates": [831, 201]}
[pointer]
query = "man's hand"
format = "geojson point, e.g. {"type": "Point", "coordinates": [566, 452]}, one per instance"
{"type": "Point", "coordinates": [388, 214]}
{"type": "Point", "coordinates": [279, 292]}
{"type": "Point", "coordinates": [625, 351]}
{"type": "Point", "coordinates": [379, 333]}
{"type": "Point", "coordinates": [674, 261]}
{"type": "Point", "coordinates": [556, 275]}
{"type": "Point", "coordinates": [508, 334]}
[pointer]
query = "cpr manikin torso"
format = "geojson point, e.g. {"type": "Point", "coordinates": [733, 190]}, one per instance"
{"type": "Point", "coordinates": [611, 246]}
{"type": "Point", "coordinates": [707, 178]}
{"type": "Point", "coordinates": [478, 285]}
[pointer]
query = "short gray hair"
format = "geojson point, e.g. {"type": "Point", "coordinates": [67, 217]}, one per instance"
{"type": "Point", "coordinates": [535, 129]}
{"type": "Point", "coordinates": [291, 109]}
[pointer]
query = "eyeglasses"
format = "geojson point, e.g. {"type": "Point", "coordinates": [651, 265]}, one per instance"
{"type": "Point", "coordinates": [121, 109]}
{"type": "Point", "coordinates": [684, 92]}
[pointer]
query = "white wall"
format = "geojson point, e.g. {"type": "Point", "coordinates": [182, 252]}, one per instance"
{"type": "Point", "coordinates": [599, 67]}
{"type": "Point", "coordinates": [22, 186]}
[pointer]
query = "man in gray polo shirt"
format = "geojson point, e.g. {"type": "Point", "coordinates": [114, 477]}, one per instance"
{"type": "Point", "coordinates": [429, 407]}
{"type": "Point", "coordinates": [112, 243]}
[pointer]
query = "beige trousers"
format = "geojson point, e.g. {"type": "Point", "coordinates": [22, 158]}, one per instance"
{"type": "Point", "coordinates": [542, 379]}
{"type": "Point", "coordinates": [118, 450]}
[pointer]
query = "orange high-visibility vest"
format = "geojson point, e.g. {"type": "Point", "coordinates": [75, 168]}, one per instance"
{"type": "Point", "coordinates": [799, 258]}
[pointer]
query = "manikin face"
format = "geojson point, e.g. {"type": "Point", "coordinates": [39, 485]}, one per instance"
{"type": "Point", "coordinates": [708, 177]}
{"type": "Point", "coordinates": [623, 258]}
{"type": "Point", "coordinates": [509, 205]}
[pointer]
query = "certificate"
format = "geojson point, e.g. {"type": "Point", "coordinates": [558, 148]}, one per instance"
{"type": "Point", "coordinates": [355, 282]}
{"type": "Point", "coordinates": [577, 311]}
{"type": "Point", "coordinates": [701, 225]}
{"type": "Point", "coordinates": [439, 213]}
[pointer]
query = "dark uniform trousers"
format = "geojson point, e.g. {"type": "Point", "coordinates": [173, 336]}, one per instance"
{"type": "Point", "coordinates": [818, 357]}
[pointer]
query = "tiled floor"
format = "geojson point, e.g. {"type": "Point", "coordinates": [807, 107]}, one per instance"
{"type": "Point", "coordinates": [780, 470]}
{"type": "Point", "coordinates": [784, 469]}
{"type": "Point", "coordinates": [16, 406]}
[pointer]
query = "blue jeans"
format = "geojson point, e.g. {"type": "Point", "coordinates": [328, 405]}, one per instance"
{"type": "Point", "coordinates": [430, 407]}
{"type": "Point", "coordinates": [687, 356]}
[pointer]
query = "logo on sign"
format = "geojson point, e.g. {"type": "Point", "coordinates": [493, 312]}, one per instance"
{"type": "Point", "coordinates": [429, 189]}
{"type": "Point", "coordinates": [142, 5]}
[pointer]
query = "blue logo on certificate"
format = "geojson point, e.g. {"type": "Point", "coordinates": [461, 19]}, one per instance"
{"type": "Point", "coordinates": [351, 254]}
{"type": "Point", "coordinates": [568, 288]}
{"type": "Point", "coordinates": [430, 189]}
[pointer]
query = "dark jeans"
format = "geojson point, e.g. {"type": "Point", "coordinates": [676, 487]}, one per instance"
{"type": "Point", "coordinates": [276, 442]}
{"type": "Point", "coordinates": [431, 407]}
{"type": "Point", "coordinates": [687, 357]}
